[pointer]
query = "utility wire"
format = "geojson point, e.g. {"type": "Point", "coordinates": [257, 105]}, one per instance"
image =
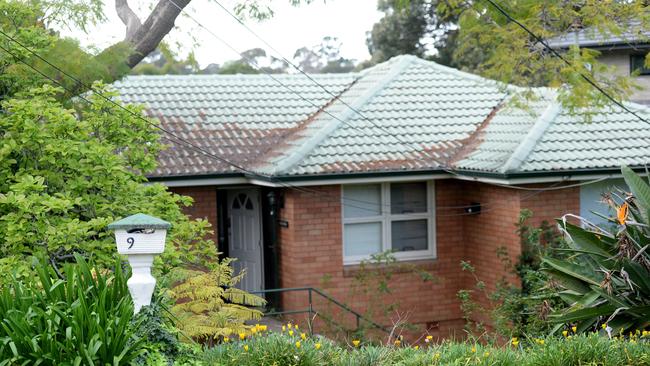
{"type": "Point", "coordinates": [252, 62]}
{"type": "Point", "coordinates": [182, 141]}
{"type": "Point", "coordinates": [278, 53]}
{"type": "Point", "coordinates": [558, 55]}
{"type": "Point", "coordinates": [179, 140]}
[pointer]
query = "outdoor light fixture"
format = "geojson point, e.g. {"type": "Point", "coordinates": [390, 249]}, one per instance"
{"type": "Point", "coordinates": [140, 237]}
{"type": "Point", "coordinates": [474, 208]}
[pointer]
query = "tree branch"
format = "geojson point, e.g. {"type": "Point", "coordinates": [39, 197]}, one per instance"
{"type": "Point", "coordinates": [128, 17]}
{"type": "Point", "coordinates": [147, 36]}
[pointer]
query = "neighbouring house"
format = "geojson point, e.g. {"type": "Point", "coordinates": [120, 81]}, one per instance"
{"type": "Point", "coordinates": [625, 52]}
{"type": "Point", "coordinates": [422, 159]}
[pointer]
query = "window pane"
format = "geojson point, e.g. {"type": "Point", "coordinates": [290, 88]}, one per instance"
{"type": "Point", "coordinates": [362, 239]}
{"type": "Point", "coordinates": [361, 200]}
{"type": "Point", "coordinates": [638, 63]}
{"type": "Point", "coordinates": [409, 235]}
{"type": "Point", "coordinates": [408, 198]}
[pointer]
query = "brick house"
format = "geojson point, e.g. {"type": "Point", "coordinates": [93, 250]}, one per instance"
{"type": "Point", "coordinates": [411, 156]}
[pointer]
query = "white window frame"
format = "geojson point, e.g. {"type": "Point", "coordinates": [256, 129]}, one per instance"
{"type": "Point", "coordinates": [385, 220]}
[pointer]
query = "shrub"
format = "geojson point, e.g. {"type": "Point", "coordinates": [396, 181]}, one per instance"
{"type": "Point", "coordinates": [517, 309]}
{"type": "Point", "coordinates": [208, 305]}
{"type": "Point", "coordinates": [282, 349]}
{"type": "Point", "coordinates": [606, 277]}
{"type": "Point", "coordinates": [85, 318]}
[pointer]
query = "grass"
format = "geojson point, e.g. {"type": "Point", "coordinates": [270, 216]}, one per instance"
{"type": "Point", "coordinates": [283, 350]}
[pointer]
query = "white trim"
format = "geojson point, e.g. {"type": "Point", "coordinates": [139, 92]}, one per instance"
{"type": "Point", "coordinates": [385, 220]}
{"type": "Point", "coordinates": [536, 132]}
{"type": "Point", "coordinates": [202, 182]}
{"type": "Point", "coordinates": [389, 179]}
{"type": "Point", "coordinates": [334, 119]}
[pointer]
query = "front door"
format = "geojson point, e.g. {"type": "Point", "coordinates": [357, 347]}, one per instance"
{"type": "Point", "coordinates": [246, 237]}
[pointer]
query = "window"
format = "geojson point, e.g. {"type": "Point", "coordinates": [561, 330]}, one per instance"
{"type": "Point", "coordinates": [388, 216]}
{"type": "Point", "coordinates": [637, 62]}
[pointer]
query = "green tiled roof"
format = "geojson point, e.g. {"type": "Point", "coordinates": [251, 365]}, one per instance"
{"type": "Point", "coordinates": [139, 221]}
{"type": "Point", "coordinates": [410, 114]}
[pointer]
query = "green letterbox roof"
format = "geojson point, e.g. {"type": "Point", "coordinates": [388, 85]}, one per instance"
{"type": "Point", "coordinates": [138, 221]}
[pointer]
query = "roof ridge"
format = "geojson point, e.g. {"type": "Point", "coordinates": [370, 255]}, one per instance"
{"type": "Point", "coordinates": [528, 143]}
{"type": "Point", "coordinates": [286, 163]}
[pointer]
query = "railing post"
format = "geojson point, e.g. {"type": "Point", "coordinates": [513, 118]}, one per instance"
{"type": "Point", "coordinates": [311, 311]}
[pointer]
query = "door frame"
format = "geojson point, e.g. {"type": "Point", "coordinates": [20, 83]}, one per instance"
{"type": "Point", "coordinates": [229, 198]}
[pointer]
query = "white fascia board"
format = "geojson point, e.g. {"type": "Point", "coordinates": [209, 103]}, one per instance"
{"type": "Point", "coordinates": [202, 182]}
{"type": "Point", "coordinates": [379, 179]}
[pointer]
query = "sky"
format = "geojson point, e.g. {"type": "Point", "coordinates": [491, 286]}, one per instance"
{"type": "Point", "coordinates": [289, 29]}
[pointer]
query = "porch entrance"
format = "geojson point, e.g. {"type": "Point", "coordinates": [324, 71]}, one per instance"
{"type": "Point", "coordinates": [245, 237]}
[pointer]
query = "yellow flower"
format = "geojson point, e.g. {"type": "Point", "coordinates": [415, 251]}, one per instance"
{"type": "Point", "coordinates": [565, 333]}
{"type": "Point", "coordinates": [297, 344]}
{"type": "Point", "coordinates": [246, 347]}
{"type": "Point", "coordinates": [604, 325]}
{"type": "Point", "coordinates": [242, 336]}
{"type": "Point", "coordinates": [515, 343]}
{"type": "Point", "coordinates": [303, 336]}
{"type": "Point", "coordinates": [356, 342]}
{"type": "Point", "coordinates": [474, 349]}
{"type": "Point", "coordinates": [621, 213]}
{"type": "Point", "coordinates": [437, 355]}
{"type": "Point", "coordinates": [398, 342]}
{"type": "Point", "coordinates": [289, 325]}
{"type": "Point", "coordinates": [291, 333]}
{"type": "Point", "coordinates": [428, 338]}
{"type": "Point", "coordinates": [284, 328]}
{"type": "Point", "coordinates": [263, 328]}
{"type": "Point", "coordinates": [540, 341]}
{"type": "Point", "coordinates": [253, 330]}
{"type": "Point", "coordinates": [574, 329]}
{"type": "Point", "coordinates": [645, 333]}
{"type": "Point", "coordinates": [317, 345]}
{"type": "Point", "coordinates": [226, 339]}
{"type": "Point", "coordinates": [486, 354]}
{"type": "Point", "coordinates": [417, 347]}
{"type": "Point", "coordinates": [296, 326]}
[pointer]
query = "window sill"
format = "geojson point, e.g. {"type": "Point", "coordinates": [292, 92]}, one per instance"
{"type": "Point", "coordinates": [400, 266]}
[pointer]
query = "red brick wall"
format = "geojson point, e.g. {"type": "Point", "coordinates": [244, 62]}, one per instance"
{"type": "Point", "coordinates": [204, 205]}
{"type": "Point", "coordinates": [311, 247]}
{"type": "Point", "coordinates": [312, 255]}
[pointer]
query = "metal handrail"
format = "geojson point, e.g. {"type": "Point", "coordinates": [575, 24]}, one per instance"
{"type": "Point", "coordinates": [310, 310]}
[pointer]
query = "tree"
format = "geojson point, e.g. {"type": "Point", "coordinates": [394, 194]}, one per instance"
{"type": "Point", "coordinates": [68, 167]}
{"type": "Point", "coordinates": [512, 55]}
{"type": "Point", "coordinates": [405, 28]}
{"type": "Point", "coordinates": [324, 57]}
{"type": "Point", "coordinates": [164, 61]}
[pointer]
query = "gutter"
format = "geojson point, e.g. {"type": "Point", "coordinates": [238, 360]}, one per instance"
{"type": "Point", "coordinates": [394, 176]}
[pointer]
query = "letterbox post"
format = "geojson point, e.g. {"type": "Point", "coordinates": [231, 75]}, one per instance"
{"type": "Point", "coordinates": [140, 237]}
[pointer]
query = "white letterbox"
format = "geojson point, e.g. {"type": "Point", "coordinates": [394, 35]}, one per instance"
{"type": "Point", "coordinates": [140, 237]}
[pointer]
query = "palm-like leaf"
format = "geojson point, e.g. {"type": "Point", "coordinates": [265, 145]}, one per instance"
{"type": "Point", "coordinates": [607, 278]}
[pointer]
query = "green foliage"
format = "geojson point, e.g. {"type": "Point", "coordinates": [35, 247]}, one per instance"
{"type": "Point", "coordinates": [164, 61]}
{"type": "Point", "coordinates": [66, 174]}
{"type": "Point", "coordinates": [404, 28]}
{"type": "Point", "coordinates": [372, 280]}
{"type": "Point", "coordinates": [281, 349]}
{"type": "Point", "coordinates": [606, 276]}
{"type": "Point", "coordinates": [517, 309]}
{"type": "Point", "coordinates": [208, 305]}
{"type": "Point", "coordinates": [511, 55]}
{"type": "Point", "coordinates": [27, 23]}
{"type": "Point", "coordinates": [85, 318]}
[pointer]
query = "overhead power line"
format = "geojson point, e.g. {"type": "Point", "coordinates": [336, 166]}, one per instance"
{"type": "Point", "coordinates": [183, 142]}
{"type": "Point", "coordinates": [567, 62]}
